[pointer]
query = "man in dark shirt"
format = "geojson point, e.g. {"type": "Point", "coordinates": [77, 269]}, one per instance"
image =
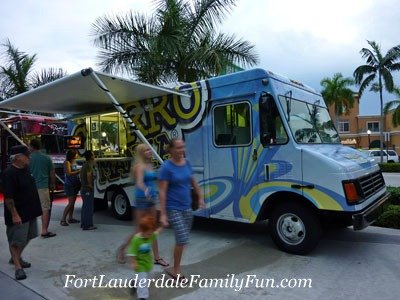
{"type": "Point", "coordinates": [22, 207]}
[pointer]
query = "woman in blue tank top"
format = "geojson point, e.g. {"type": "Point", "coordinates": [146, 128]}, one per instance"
{"type": "Point", "coordinates": [146, 197]}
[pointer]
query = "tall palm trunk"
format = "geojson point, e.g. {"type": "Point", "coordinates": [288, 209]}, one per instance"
{"type": "Point", "coordinates": [337, 117]}
{"type": "Point", "coordinates": [381, 119]}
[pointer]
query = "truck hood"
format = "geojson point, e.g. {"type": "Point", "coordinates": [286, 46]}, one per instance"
{"type": "Point", "coordinates": [338, 158]}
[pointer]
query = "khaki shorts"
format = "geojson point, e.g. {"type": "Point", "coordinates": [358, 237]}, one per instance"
{"type": "Point", "coordinates": [20, 235]}
{"type": "Point", "coordinates": [44, 196]}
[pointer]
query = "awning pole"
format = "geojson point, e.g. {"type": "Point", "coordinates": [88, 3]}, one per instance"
{"type": "Point", "coordinates": [120, 109]}
{"type": "Point", "coordinates": [12, 133]}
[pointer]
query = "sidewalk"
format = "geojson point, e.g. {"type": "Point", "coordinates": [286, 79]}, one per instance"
{"type": "Point", "coordinates": [13, 290]}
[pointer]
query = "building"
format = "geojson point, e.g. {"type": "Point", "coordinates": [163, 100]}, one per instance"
{"type": "Point", "coordinates": [363, 131]}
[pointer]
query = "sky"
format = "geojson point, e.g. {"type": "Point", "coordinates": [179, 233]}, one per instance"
{"type": "Point", "coordinates": [304, 40]}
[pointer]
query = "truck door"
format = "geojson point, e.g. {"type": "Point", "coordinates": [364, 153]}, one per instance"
{"type": "Point", "coordinates": [230, 159]}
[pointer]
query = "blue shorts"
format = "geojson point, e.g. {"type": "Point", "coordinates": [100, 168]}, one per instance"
{"type": "Point", "coordinates": [181, 221]}
{"type": "Point", "coordinates": [145, 203]}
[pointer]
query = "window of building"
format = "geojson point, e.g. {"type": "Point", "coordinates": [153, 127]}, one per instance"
{"type": "Point", "coordinates": [232, 124]}
{"type": "Point", "coordinates": [373, 126]}
{"type": "Point", "coordinates": [344, 126]}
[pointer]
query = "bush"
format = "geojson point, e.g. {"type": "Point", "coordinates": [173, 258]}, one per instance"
{"type": "Point", "coordinates": [390, 218]}
{"type": "Point", "coordinates": [394, 195]}
{"type": "Point", "coordinates": [390, 167]}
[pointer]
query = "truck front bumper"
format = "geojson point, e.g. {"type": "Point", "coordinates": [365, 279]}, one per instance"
{"type": "Point", "coordinates": [367, 216]}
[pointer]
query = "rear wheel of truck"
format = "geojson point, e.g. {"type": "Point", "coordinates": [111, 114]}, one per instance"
{"type": "Point", "coordinates": [295, 228]}
{"type": "Point", "coordinates": [120, 205]}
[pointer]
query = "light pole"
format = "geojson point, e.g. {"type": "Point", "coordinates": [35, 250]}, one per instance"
{"type": "Point", "coordinates": [369, 138]}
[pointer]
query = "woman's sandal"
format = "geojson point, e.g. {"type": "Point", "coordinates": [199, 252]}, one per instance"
{"type": "Point", "coordinates": [179, 278]}
{"type": "Point", "coordinates": [64, 223]}
{"type": "Point", "coordinates": [73, 221]}
{"type": "Point", "coordinates": [161, 262]}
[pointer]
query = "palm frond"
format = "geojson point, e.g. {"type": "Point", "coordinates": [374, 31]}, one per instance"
{"type": "Point", "coordinates": [46, 76]}
{"type": "Point", "coordinates": [208, 13]}
{"type": "Point", "coordinates": [396, 117]}
{"type": "Point", "coordinates": [365, 83]}
{"type": "Point", "coordinates": [362, 71]}
{"type": "Point", "coordinates": [391, 105]}
{"type": "Point", "coordinates": [387, 79]}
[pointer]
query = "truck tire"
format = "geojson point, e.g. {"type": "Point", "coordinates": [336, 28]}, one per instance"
{"type": "Point", "coordinates": [294, 228]}
{"type": "Point", "coordinates": [121, 207]}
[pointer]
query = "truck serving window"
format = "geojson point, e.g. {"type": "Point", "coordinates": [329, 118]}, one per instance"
{"type": "Point", "coordinates": [106, 134]}
{"type": "Point", "coordinates": [232, 124]}
{"type": "Point", "coordinates": [310, 123]}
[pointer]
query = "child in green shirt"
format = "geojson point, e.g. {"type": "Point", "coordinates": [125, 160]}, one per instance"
{"type": "Point", "coordinates": [140, 252]}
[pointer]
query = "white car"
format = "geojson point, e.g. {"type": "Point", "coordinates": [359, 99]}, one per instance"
{"type": "Point", "coordinates": [389, 156]}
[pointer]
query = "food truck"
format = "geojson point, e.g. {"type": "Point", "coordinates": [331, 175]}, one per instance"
{"type": "Point", "coordinates": [22, 128]}
{"type": "Point", "coordinates": [262, 147]}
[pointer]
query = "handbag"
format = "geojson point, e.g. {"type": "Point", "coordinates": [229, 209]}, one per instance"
{"type": "Point", "coordinates": [195, 200]}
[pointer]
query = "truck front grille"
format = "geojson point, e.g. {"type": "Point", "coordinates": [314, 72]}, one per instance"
{"type": "Point", "coordinates": [371, 184]}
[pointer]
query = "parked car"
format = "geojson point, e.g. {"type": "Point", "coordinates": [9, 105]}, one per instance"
{"type": "Point", "coordinates": [389, 156]}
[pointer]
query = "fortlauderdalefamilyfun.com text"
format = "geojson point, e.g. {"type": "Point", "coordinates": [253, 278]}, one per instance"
{"type": "Point", "coordinates": [231, 281]}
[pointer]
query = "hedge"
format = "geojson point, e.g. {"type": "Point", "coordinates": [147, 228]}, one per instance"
{"type": "Point", "coordinates": [390, 167]}
{"type": "Point", "coordinates": [390, 218]}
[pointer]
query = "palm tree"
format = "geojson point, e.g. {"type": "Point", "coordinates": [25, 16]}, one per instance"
{"type": "Point", "coordinates": [394, 104]}
{"type": "Point", "coordinates": [177, 43]}
{"type": "Point", "coordinates": [46, 76]}
{"type": "Point", "coordinates": [14, 76]}
{"type": "Point", "coordinates": [336, 92]}
{"type": "Point", "coordinates": [378, 68]}
{"type": "Point", "coordinates": [17, 75]}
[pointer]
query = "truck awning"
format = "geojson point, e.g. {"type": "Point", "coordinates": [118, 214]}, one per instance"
{"type": "Point", "coordinates": [77, 94]}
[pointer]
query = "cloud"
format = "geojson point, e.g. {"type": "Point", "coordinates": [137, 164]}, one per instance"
{"type": "Point", "coordinates": [305, 40]}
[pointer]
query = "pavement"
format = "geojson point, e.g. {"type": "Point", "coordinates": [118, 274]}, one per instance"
{"type": "Point", "coordinates": [345, 265]}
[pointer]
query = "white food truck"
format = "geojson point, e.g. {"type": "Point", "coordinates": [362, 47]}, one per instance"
{"type": "Point", "coordinates": [263, 147]}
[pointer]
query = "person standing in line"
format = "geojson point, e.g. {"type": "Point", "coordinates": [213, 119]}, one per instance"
{"type": "Point", "coordinates": [146, 198]}
{"type": "Point", "coordinates": [87, 191]}
{"type": "Point", "coordinates": [140, 252]}
{"type": "Point", "coordinates": [22, 207]}
{"type": "Point", "coordinates": [42, 169]}
{"type": "Point", "coordinates": [72, 186]}
{"type": "Point", "coordinates": [175, 183]}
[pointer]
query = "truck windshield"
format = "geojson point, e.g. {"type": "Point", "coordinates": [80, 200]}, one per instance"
{"type": "Point", "coordinates": [310, 123]}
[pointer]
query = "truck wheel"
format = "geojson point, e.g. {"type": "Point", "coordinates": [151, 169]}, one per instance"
{"type": "Point", "coordinates": [120, 206]}
{"type": "Point", "coordinates": [294, 228]}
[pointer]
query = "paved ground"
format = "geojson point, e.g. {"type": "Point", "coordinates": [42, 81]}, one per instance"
{"type": "Point", "coordinates": [392, 179]}
{"type": "Point", "coordinates": [346, 264]}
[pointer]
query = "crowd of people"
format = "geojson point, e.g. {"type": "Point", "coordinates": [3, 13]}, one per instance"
{"type": "Point", "coordinates": [30, 179]}
{"type": "Point", "coordinates": [27, 185]}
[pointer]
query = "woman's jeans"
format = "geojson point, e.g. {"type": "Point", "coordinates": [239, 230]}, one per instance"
{"type": "Point", "coordinates": [87, 207]}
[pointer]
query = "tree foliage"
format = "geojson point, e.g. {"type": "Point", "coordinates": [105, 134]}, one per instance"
{"type": "Point", "coordinates": [178, 42]}
{"type": "Point", "coordinates": [336, 91]}
{"type": "Point", "coordinates": [17, 75]}
{"type": "Point", "coordinates": [394, 104]}
{"type": "Point", "coordinates": [377, 72]}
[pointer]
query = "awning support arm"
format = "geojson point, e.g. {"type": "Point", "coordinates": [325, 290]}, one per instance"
{"type": "Point", "coordinates": [12, 133]}
{"type": "Point", "coordinates": [120, 109]}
